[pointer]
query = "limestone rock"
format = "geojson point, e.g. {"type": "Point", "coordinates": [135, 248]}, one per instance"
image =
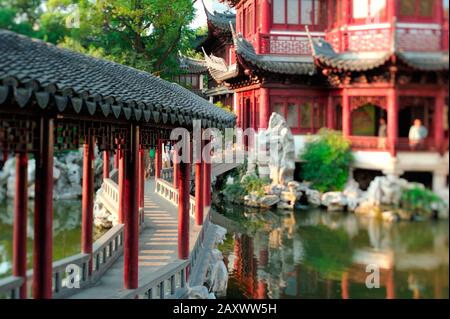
{"type": "Point", "coordinates": [268, 201]}
{"type": "Point", "coordinates": [280, 143]}
{"type": "Point", "coordinates": [313, 197]}
{"type": "Point", "coordinates": [334, 201]}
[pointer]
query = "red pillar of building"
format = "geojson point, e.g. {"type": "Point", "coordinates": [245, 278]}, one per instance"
{"type": "Point", "coordinates": [392, 121]}
{"type": "Point", "coordinates": [105, 164]}
{"type": "Point", "coordinates": [43, 212]}
{"type": "Point", "coordinates": [183, 209]}
{"type": "Point", "coordinates": [439, 121]}
{"type": "Point", "coordinates": [20, 222]}
{"type": "Point", "coordinates": [121, 178]}
{"type": "Point", "coordinates": [331, 123]}
{"type": "Point", "coordinates": [87, 199]}
{"type": "Point", "coordinates": [131, 209]}
{"type": "Point", "coordinates": [346, 115]}
{"type": "Point", "coordinates": [199, 193]}
{"type": "Point", "coordinates": [390, 285]}
{"type": "Point", "coordinates": [264, 108]}
{"type": "Point", "coordinates": [206, 184]}
{"type": "Point", "coordinates": [158, 159]}
{"type": "Point", "coordinates": [344, 286]}
{"type": "Point", "coordinates": [116, 159]}
{"type": "Point", "coordinates": [265, 17]}
{"type": "Point", "coordinates": [176, 168]}
{"type": "Point", "coordinates": [141, 183]}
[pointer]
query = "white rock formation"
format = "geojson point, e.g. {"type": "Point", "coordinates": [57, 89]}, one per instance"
{"type": "Point", "coordinates": [281, 150]}
{"type": "Point", "coordinates": [67, 175]}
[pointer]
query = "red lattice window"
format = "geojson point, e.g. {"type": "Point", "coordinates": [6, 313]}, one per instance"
{"type": "Point", "coordinates": [296, 14]}
{"type": "Point", "coordinates": [418, 10]}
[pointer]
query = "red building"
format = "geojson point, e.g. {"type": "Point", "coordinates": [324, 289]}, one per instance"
{"type": "Point", "coordinates": [344, 64]}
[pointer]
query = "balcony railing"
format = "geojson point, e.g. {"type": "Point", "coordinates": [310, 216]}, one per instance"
{"type": "Point", "coordinates": [373, 143]}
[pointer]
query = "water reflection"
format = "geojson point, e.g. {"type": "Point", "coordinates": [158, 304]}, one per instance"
{"type": "Point", "coordinates": [315, 254]}
{"type": "Point", "coordinates": [66, 232]}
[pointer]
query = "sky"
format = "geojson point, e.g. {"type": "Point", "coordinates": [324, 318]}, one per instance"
{"type": "Point", "coordinates": [211, 5]}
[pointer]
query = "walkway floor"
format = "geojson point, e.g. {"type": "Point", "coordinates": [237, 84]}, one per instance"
{"type": "Point", "coordinates": [157, 247]}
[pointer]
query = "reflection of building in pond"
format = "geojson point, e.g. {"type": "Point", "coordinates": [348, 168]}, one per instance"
{"type": "Point", "coordinates": [330, 258]}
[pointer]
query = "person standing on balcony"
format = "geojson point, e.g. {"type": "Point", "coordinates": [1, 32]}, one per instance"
{"type": "Point", "coordinates": [382, 134]}
{"type": "Point", "coordinates": [417, 135]}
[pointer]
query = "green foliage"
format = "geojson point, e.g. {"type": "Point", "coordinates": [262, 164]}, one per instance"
{"type": "Point", "coordinates": [233, 192]}
{"type": "Point", "coordinates": [144, 34]}
{"type": "Point", "coordinates": [327, 160]}
{"type": "Point", "coordinates": [421, 201]}
{"type": "Point", "coordinates": [255, 184]}
{"type": "Point", "coordinates": [224, 107]}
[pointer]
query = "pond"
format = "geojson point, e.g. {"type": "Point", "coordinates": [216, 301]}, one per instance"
{"type": "Point", "coordinates": [66, 232]}
{"type": "Point", "coordinates": [317, 254]}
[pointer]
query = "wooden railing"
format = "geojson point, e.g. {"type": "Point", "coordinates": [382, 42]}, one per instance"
{"type": "Point", "coordinates": [167, 174]}
{"type": "Point", "coordinates": [166, 190]}
{"type": "Point", "coordinates": [170, 281]}
{"type": "Point", "coordinates": [9, 287]}
{"type": "Point", "coordinates": [72, 273]}
{"type": "Point", "coordinates": [374, 143]}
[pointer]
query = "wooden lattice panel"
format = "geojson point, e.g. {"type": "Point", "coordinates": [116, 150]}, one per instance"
{"type": "Point", "coordinates": [18, 134]}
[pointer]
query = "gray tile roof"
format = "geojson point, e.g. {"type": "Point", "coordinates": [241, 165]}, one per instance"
{"type": "Point", "coordinates": [347, 61]}
{"type": "Point", "coordinates": [219, 69]}
{"type": "Point", "coordinates": [33, 69]}
{"type": "Point", "coordinates": [362, 61]}
{"type": "Point", "coordinates": [274, 63]}
{"type": "Point", "coordinates": [221, 20]}
{"type": "Point", "coordinates": [425, 61]}
{"type": "Point", "coordinates": [192, 65]}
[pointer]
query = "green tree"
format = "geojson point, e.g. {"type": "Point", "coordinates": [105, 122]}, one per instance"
{"type": "Point", "coordinates": [145, 34]}
{"type": "Point", "coordinates": [327, 160]}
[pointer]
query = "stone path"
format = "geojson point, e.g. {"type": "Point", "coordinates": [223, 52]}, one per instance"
{"type": "Point", "coordinates": [157, 247]}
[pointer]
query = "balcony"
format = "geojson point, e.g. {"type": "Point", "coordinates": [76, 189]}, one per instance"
{"type": "Point", "coordinates": [375, 144]}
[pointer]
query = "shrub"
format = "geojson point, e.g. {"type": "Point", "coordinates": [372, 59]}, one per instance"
{"type": "Point", "coordinates": [234, 192]}
{"type": "Point", "coordinates": [327, 159]}
{"type": "Point", "coordinates": [421, 201]}
{"type": "Point", "coordinates": [255, 184]}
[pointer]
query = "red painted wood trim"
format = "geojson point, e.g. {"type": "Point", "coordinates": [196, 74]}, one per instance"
{"type": "Point", "coordinates": [121, 178]}
{"type": "Point", "coordinates": [105, 164]}
{"type": "Point", "coordinates": [131, 201]}
{"type": "Point", "coordinates": [20, 222]}
{"type": "Point", "coordinates": [43, 212]}
{"type": "Point", "coordinates": [183, 209]}
{"type": "Point", "coordinates": [87, 199]}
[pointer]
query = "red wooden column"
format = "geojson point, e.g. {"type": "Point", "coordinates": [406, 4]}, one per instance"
{"type": "Point", "coordinates": [265, 16]}
{"type": "Point", "coordinates": [439, 121]}
{"type": "Point", "coordinates": [264, 108]}
{"type": "Point", "coordinates": [199, 192]}
{"type": "Point", "coordinates": [105, 164]}
{"type": "Point", "coordinates": [392, 121]}
{"type": "Point", "coordinates": [20, 222]}
{"type": "Point", "coordinates": [176, 168]}
{"type": "Point", "coordinates": [141, 182]}
{"type": "Point", "coordinates": [121, 178]}
{"type": "Point", "coordinates": [344, 286]}
{"type": "Point", "coordinates": [131, 209]}
{"type": "Point", "coordinates": [206, 181]}
{"type": "Point", "coordinates": [158, 159]}
{"type": "Point", "coordinates": [346, 114]}
{"type": "Point", "coordinates": [43, 212]}
{"type": "Point", "coordinates": [116, 159]}
{"type": "Point", "coordinates": [183, 209]}
{"type": "Point", "coordinates": [331, 123]}
{"type": "Point", "coordinates": [87, 199]}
